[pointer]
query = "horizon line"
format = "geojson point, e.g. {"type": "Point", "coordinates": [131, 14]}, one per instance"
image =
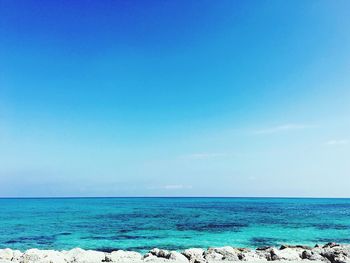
{"type": "Point", "coordinates": [111, 197]}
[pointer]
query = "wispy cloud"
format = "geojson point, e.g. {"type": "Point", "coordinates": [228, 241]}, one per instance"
{"type": "Point", "coordinates": [338, 142]}
{"type": "Point", "coordinates": [283, 128]}
{"type": "Point", "coordinates": [202, 156]}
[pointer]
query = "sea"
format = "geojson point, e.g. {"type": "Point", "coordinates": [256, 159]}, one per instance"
{"type": "Point", "coordinates": [140, 224]}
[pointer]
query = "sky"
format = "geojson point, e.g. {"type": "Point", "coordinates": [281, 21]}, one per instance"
{"type": "Point", "coordinates": [174, 98]}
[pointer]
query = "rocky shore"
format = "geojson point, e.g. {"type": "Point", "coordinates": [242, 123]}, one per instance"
{"type": "Point", "coordinates": [331, 252]}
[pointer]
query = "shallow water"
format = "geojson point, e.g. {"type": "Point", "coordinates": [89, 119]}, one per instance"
{"type": "Point", "coordinates": [174, 223]}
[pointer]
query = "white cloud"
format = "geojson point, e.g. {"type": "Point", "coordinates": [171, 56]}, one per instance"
{"type": "Point", "coordinates": [282, 128]}
{"type": "Point", "coordinates": [202, 156]}
{"type": "Point", "coordinates": [338, 142]}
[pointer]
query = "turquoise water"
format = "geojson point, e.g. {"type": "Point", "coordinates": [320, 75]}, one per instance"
{"type": "Point", "coordinates": [173, 223]}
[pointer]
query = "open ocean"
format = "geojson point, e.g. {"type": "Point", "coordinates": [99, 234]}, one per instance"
{"type": "Point", "coordinates": [140, 224]}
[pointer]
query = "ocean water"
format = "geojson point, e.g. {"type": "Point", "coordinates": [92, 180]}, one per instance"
{"type": "Point", "coordinates": [173, 223]}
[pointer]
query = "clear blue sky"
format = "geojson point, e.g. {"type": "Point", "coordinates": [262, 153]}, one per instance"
{"type": "Point", "coordinates": [174, 98]}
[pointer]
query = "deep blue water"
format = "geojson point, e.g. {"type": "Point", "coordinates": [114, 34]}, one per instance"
{"type": "Point", "coordinates": [173, 223]}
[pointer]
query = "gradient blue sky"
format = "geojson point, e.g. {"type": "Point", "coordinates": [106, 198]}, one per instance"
{"type": "Point", "coordinates": [174, 98]}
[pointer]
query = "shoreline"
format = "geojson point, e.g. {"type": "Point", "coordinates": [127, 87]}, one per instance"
{"type": "Point", "coordinates": [330, 252]}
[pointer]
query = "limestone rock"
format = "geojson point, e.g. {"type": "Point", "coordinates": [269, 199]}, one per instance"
{"type": "Point", "coordinates": [312, 255]}
{"type": "Point", "coordinates": [71, 254]}
{"type": "Point", "coordinates": [90, 256]}
{"type": "Point", "coordinates": [194, 255]}
{"type": "Point", "coordinates": [336, 253]}
{"type": "Point", "coordinates": [223, 253]}
{"type": "Point", "coordinates": [149, 258]}
{"type": "Point", "coordinates": [178, 257]}
{"type": "Point", "coordinates": [9, 254]}
{"type": "Point", "coordinates": [331, 245]}
{"type": "Point", "coordinates": [160, 253]}
{"type": "Point", "coordinates": [286, 254]}
{"type": "Point", "coordinates": [249, 255]}
{"type": "Point", "coordinates": [42, 256]}
{"type": "Point", "coordinates": [295, 246]}
{"type": "Point", "coordinates": [123, 256]}
{"type": "Point", "coordinates": [265, 253]}
{"type": "Point", "coordinates": [165, 254]}
{"type": "Point", "coordinates": [79, 255]}
{"type": "Point", "coordinates": [329, 253]}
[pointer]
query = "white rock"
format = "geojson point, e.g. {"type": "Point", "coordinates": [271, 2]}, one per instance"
{"type": "Point", "coordinates": [286, 254]}
{"type": "Point", "coordinates": [89, 256]}
{"type": "Point", "coordinates": [328, 253]}
{"type": "Point", "coordinates": [79, 255]}
{"type": "Point", "coordinates": [264, 253]}
{"type": "Point", "coordinates": [31, 255]}
{"type": "Point", "coordinates": [164, 256]}
{"type": "Point", "coordinates": [6, 254]}
{"type": "Point", "coordinates": [53, 258]}
{"type": "Point", "coordinates": [123, 256]}
{"type": "Point", "coordinates": [149, 258]}
{"type": "Point", "coordinates": [71, 254]}
{"type": "Point", "coordinates": [338, 253]}
{"type": "Point", "coordinates": [16, 255]}
{"type": "Point", "coordinates": [194, 255]}
{"type": "Point", "coordinates": [178, 257]}
{"type": "Point", "coordinates": [312, 255]}
{"type": "Point", "coordinates": [42, 256]}
{"type": "Point", "coordinates": [222, 253]}
{"type": "Point", "coordinates": [161, 253]}
{"type": "Point", "coordinates": [213, 257]}
{"type": "Point", "coordinates": [249, 255]}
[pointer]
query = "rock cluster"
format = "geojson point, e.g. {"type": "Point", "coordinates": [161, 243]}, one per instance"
{"type": "Point", "coordinates": [331, 253]}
